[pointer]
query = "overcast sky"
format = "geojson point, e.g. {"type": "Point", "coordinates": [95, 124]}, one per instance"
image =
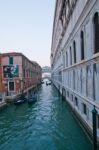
{"type": "Point", "coordinates": [26, 26]}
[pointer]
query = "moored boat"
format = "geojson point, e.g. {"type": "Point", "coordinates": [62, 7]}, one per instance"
{"type": "Point", "coordinates": [19, 101]}
{"type": "Point", "coordinates": [32, 99]}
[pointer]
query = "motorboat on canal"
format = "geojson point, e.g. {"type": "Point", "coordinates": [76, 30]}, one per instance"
{"type": "Point", "coordinates": [42, 82]}
{"type": "Point", "coordinates": [48, 83]}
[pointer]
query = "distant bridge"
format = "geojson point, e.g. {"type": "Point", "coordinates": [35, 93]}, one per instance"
{"type": "Point", "coordinates": [46, 76]}
{"type": "Point", "coordinates": [46, 69]}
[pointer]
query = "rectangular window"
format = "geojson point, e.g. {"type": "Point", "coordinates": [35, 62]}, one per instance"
{"type": "Point", "coordinates": [76, 101]}
{"type": "Point", "coordinates": [74, 79]}
{"type": "Point", "coordinates": [11, 86]}
{"type": "Point", "coordinates": [67, 94]}
{"type": "Point", "coordinates": [10, 60]}
{"type": "Point", "coordinates": [84, 109]}
{"type": "Point", "coordinates": [71, 97]}
{"type": "Point", "coordinates": [66, 59]}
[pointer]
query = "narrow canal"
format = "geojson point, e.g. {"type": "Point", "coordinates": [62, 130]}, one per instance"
{"type": "Point", "coordinates": [46, 125]}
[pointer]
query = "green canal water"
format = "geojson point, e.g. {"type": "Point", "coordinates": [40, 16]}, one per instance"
{"type": "Point", "coordinates": [46, 125]}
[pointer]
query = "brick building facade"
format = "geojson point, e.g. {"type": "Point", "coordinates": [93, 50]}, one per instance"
{"type": "Point", "coordinates": [18, 73]}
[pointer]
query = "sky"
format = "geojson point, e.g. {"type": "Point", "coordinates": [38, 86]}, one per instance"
{"type": "Point", "coordinates": [26, 27]}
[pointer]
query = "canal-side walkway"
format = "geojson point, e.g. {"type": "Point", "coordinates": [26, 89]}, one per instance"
{"type": "Point", "coordinates": [46, 125]}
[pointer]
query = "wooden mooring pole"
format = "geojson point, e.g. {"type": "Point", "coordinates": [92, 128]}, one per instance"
{"type": "Point", "coordinates": [94, 119]}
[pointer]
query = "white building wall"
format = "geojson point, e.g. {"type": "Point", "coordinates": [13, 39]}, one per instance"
{"type": "Point", "coordinates": [81, 79]}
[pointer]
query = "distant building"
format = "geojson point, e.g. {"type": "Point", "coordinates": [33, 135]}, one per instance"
{"type": "Point", "coordinates": [18, 73]}
{"type": "Point", "coordinates": [0, 80]}
{"type": "Point", "coordinates": [75, 56]}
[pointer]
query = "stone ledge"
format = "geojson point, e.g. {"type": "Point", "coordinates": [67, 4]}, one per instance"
{"type": "Point", "coordinates": [2, 104]}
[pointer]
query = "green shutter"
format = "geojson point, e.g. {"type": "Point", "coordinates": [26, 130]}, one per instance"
{"type": "Point", "coordinates": [10, 60]}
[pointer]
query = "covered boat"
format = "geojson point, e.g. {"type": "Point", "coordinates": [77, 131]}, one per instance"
{"type": "Point", "coordinates": [32, 99]}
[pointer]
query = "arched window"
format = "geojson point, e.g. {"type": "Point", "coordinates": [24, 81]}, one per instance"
{"type": "Point", "coordinates": [66, 59]}
{"type": "Point", "coordinates": [74, 47]}
{"type": "Point", "coordinates": [96, 32]}
{"type": "Point", "coordinates": [82, 44]}
{"type": "Point", "coordinates": [70, 56]}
